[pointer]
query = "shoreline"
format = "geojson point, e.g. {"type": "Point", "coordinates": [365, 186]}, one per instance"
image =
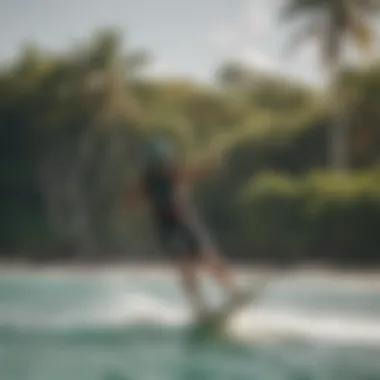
{"type": "Point", "coordinates": [125, 267]}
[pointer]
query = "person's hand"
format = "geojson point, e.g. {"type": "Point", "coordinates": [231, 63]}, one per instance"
{"type": "Point", "coordinates": [213, 163]}
{"type": "Point", "coordinates": [134, 196]}
{"type": "Point", "coordinates": [201, 170]}
{"type": "Point", "coordinates": [209, 166]}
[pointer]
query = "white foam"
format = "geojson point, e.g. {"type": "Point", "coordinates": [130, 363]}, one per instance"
{"type": "Point", "coordinates": [269, 325]}
{"type": "Point", "coordinates": [251, 324]}
{"type": "Point", "coordinates": [142, 308]}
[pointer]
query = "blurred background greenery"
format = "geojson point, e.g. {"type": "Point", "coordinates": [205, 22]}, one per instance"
{"type": "Point", "coordinates": [299, 173]}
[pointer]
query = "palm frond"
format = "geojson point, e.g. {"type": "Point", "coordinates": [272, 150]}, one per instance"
{"type": "Point", "coordinates": [295, 8]}
{"type": "Point", "coordinates": [367, 6]}
{"type": "Point", "coordinates": [362, 33]}
{"type": "Point", "coordinates": [311, 30]}
{"type": "Point", "coordinates": [339, 18]}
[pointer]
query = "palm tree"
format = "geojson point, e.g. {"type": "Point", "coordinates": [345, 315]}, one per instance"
{"type": "Point", "coordinates": [333, 22]}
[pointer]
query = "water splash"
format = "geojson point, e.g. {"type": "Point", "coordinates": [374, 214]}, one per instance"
{"type": "Point", "coordinates": [254, 323]}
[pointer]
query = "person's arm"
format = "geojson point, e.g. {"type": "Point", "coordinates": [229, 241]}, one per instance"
{"type": "Point", "coordinates": [135, 195]}
{"type": "Point", "coordinates": [197, 173]}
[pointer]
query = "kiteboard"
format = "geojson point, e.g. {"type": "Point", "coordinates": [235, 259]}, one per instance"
{"type": "Point", "coordinates": [213, 323]}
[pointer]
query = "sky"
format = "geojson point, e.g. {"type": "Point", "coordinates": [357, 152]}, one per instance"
{"type": "Point", "coordinates": [189, 38]}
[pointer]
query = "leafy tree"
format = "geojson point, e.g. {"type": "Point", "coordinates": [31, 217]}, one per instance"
{"type": "Point", "coordinates": [332, 21]}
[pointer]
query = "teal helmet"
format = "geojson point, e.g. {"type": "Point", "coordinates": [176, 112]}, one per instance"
{"type": "Point", "coordinates": [160, 150]}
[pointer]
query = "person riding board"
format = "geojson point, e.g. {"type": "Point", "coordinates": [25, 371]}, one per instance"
{"type": "Point", "coordinates": [162, 185]}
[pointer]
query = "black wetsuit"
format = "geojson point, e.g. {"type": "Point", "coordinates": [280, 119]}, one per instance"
{"type": "Point", "coordinates": [177, 234]}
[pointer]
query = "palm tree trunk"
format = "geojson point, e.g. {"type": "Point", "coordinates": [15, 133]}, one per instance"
{"type": "Point", "coordinates": [338, 131]}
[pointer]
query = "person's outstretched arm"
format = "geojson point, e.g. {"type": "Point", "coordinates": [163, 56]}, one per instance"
{"type": "Point", "coordinates": [135, 195]}
{"type": "Point", "coordinates": [193, 174]}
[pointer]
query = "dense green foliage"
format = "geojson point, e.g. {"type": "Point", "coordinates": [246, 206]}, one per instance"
{"type": "Point", "coordinates": [321, 216]}
{"type": "Point", "coordinates": [71, 130]}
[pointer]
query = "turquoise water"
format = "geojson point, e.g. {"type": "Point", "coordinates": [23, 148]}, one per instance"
{"type": "Point", "coordinates": [136, 325]}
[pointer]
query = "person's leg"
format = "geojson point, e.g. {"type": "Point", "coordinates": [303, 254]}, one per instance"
{"type": "Point", "coordinates": [189, 274]}
{"type": "Point", "coordinates": [220, 270]}
{"type": "Point", "coordinates": [180, 249]}
{"type": "Point", "coordinates": [207, 258]}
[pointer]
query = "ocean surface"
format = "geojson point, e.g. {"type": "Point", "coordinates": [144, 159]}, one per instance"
{"type": "Point", "coordinates": [136, 325]}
